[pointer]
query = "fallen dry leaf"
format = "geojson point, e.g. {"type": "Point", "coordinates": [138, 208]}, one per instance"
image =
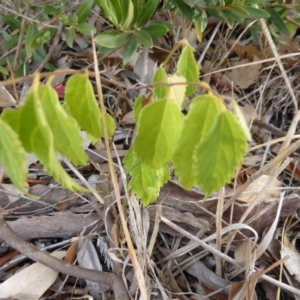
{"type": "Point", "coordinates": [293, 262]}
{"type": "Point", "coordinates": [259, 186]}
{"type": "Point", "coordinates": [71, 256]}
{"type": "Point", "coordinates": [6, 99]}
{"type": "Point", "coordinates": [245, 76]}
{"type": "Point", "coordinates": [30, 283]}
{"type": "Point", "coordinates": [246, 51]}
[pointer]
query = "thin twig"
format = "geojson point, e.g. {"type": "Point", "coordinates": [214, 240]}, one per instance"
{"type": "Point", "coordinates": [26, 17]}
{"type": "Point", "coordinates": [271, 128]}
{"type": "Point", "coordinates": [54, 73]}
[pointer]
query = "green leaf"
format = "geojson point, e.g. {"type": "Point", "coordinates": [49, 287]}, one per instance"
{"type": "Point", "coordinates": [146, 181]}
{"type": "Point", "coordinates": [256, 2]}
{"type": "Point", "coordinates": [198, 122]}
{"type": "Point", "coordinates": [11, 21]}
{"type": "Point", "coordinates": [83, 10]}
{"type": "Point", "coordinates": [65, 129]}
{"type": "Point", "coordinates": [277, 20]}
{"type": "Point", "coordinates": [112, 16]}
{"type": "Point", "coordinates": [50, 10]}
{"type": "Point", "coordinates": [188, 68]}
{"type": "Point", "coordinates": [200, 25]}
{"type": "Point", "coordinates": [239, 9]}
{"type": "Point", "coordinates": [176, 91]}
{"type": "Point", "coordinates": [104, 50]}
{"type": "Point", "coordinates": [110, 125]}
{"type": "Point", "coordinates": [231, 16]}
{"type": "Point", "coordinates": [190, 3]}
{"type": "Point", "coordinates": [292, 27]}
{"type": "Point", "coordinates": [108, 10]}
{"type": "Point", "coordinates": [186, 10]}
{"type": "Point", "coordinates": [156, 30]}
{"type": "Point", "coordinates": [43, 37]}
{"type": "Point", "coordinates": [74, 19]}
{"type": "Point", "coordinates": [219, 153]}
{"type": "Point", "coordinates": [118, 10]}
{"type": "Point", "coordinates": [144, 38]}
{"type": "Point", "coordinates": [255, 13]}
{"type": "Point", "coordinates": [70, 37]}
{"type": "Point", "coordinates": [23, 69]}
{"type": "Point", "coordinates": [160, 91]}
{"type": "Point", "coordinates": [31, 32]}
{"type": "Point", "coordinates": [30, 123]}
{"type": "Point", "coordinates": [66, 20]}
{"type": "Point", "coordinates": [159, 127]}
{"type": "Point", "coordinates": [112, 39]}
{"type": "Point", "coordinates": [129, 49]}
{"type": "Point", "coordinates": [136, 6]}
{"type": "Point", "coordinates": [3, 71]}
{"type": "Point", "coordinates": [237, 112]}
{"type": "Point", "coordinates": [12, 42]}
{"type": "Point", "coordinates": [129, 17]}
{"type": "Point", "coordinates": [147, 12]}
{"type": "Point", "coordinates": [124, 12]}
{"type": "Point", "coordinates": [8, 59]}
{"type": "Point", "coordinates": [6, 35]}
{"type": "Point", "coordinates": [169, 4]}
{"type": "Point", "coordinates": [12, 156]}
{"type": "Point", "coordinates": [86, 29]}
{"type": "Point", "coordinates": [167, 24]}
{"type": "Point", "coordinates": [80, 103]}
{"type": "Point", "coordinates": [38, 56]}
{"type": "Point", "coordinates": [138, 106]}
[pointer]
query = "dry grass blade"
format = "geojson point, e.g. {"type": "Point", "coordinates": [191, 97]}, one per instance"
{"type": "Point", "coordinates": [97, 196]}
{"type": "Point", "coordinates": [268, 237]}
{"type": "Point", "coordinates": [136, 266]}
{"type": "Point", "coordinates": [200, 242]}
{"type": "Point", "coordinates": [194, 243]}
{"type": "Point", "coordinates": [218, 231]}
{"type": "Point", "coordinates": [255, 63]}
{"type": "Point", "coordinates": [4, 8]}
{"type": "Point", "coordinates": [278, 60]}
{"type": "Point", "coordinates": [281, 284]}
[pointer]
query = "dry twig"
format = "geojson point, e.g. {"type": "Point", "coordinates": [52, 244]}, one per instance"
{"type": "Point", "coordinates": [109, 279]}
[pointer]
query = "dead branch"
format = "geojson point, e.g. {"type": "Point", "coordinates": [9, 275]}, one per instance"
{"type": "Point", "coordinates": [64, 224]}
{"type": "Point", "coordinates": [109, 279]}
